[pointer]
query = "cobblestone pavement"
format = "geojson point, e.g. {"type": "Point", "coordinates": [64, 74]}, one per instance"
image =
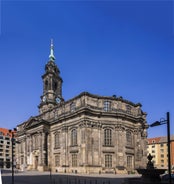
{"type": "Point", "coordinates": [35, 177]}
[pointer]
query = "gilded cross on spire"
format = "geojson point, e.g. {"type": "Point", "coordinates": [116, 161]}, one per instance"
{"type": "Point", "coordinates": [51, 56]}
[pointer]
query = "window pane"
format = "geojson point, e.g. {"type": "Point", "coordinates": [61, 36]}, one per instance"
{"type": "Point", "coordinates": [107, 137]}
{"type": "Point", "coordinates": [108, 161]}
{"type": "Point", "coordinates": [129, 138]}
{"type": "Point", "coordinates": [57, 140]}
{"type": "Point", "coordinates": [74, 160]}
{"type": "Point", "coordinates": [74, 137]}
{"type": "Point", "coordinates": [129, 161]}
{"type": "Point", "coordinates": [107, 106]}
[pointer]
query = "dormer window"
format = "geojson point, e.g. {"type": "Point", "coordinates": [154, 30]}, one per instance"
{"type": "Point", "coordinates": [107, 106]}
{"type": "Point", "coordinates": [128, 109]}
{"type": "Point", "coordinates": [72, 107]}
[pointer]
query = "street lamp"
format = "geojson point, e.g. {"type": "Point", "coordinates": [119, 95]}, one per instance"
{"type": "Point", "coordinates": [12, 152]}
{"type": "Point", "coordinates": [161, 122]}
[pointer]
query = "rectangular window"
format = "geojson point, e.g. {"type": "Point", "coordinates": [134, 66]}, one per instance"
{"type": "Point", "coordinates": [129, 138]}
{"type": "Point", "coordinates": [74, 160]}
{"type": "Point", "coordinates": [108, 161]}
{"type": "Point", "coordinates": [57, 140]}
{"type": "Point", "coordinates": [161, 145]}
{"type": "Point", "coordinates": [162, 156]}
{"type": "Point", "coordinates": [74, 137]}
{"type": "Point", "coordinates": [107, 137]}
{"type": "Point", "coordinates": [57, 160]}
{"type": "Point", "coordinates": [129, 162]}
{"type": "Point", "coordinates": [107, 106]}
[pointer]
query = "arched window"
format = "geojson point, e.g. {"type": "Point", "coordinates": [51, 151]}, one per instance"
{"type": "Point", "coordinates": [46, 85]}
{"type": "Point", "coordinates": [107, 137]}
{"type": "Point", "coordinates": [74, 137]}
{"type": "Point", "coordinates": [129, 138]}
{"type": "Point", "coordinates": [57, 140]}
{"type": "Point", "coordinates": [54, 86]}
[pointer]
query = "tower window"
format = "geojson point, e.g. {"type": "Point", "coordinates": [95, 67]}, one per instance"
{"type": "Point", "coordinates": [54, 86]}
{"type": "Point", "coordinates": [46, 85]}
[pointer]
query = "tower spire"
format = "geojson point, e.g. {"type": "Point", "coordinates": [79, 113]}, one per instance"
{"type": "Point", "coordinates": [51, 56]}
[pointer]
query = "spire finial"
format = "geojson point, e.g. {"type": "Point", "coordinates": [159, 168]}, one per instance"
{"type": "Point", "coordinates": [51, 56]}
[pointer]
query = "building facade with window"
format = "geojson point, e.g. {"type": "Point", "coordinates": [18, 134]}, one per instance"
{"type": "Point", "coordinates": [158, 148]}
{"type": "Point", "coordinates": [86, 134]}
{"type": "Point", "coordinates": [6, 148]}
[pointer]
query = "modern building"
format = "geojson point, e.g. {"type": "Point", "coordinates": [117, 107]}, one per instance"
{"type": "Point", "coordinates": [6, 148]}
{"type": "Point", "coordinates": [86, 134]}
{"type": "Point", "coordinates": [158, 148]}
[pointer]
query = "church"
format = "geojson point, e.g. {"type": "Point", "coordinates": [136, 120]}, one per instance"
{"type": "Point", "coordinates": [86, 134]}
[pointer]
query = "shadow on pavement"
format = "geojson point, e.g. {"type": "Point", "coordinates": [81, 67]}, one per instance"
{"type": "Point", "coordinates": [60, 179]}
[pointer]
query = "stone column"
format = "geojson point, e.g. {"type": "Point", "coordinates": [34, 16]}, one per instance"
{"type": "Point", "coordinates": [40, 148]}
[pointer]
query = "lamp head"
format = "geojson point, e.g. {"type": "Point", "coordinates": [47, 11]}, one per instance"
{"type": "Point", "coordinates": [156, 123]}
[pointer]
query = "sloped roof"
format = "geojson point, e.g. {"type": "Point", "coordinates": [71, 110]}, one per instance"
{"type": "Point", "coordinates": [156, 140]}
{"type": "Point", "coordinates": [5, 132]}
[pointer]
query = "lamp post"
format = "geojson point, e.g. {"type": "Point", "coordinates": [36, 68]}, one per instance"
{"type": "Point", "coordinates": [161, 122]}
{"type": "Point", "coordinates": [12, 152]}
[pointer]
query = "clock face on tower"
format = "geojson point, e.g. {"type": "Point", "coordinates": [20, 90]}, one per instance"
{"type": "Point", "coordinates": [58, 100]}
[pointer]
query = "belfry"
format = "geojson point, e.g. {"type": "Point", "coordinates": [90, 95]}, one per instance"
{"type": "Point", "coordinates": [52, 84]}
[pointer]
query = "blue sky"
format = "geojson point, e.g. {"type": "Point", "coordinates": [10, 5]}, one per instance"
{"type": "Point", "coordinates": [124, 48]}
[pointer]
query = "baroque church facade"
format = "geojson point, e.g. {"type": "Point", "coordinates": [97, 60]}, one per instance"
{"type": "Point", "coordinates": [86, 134]}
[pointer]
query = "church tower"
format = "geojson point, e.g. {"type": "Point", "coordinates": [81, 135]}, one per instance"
{"type": "Point", "coordinates": [52, 84]}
